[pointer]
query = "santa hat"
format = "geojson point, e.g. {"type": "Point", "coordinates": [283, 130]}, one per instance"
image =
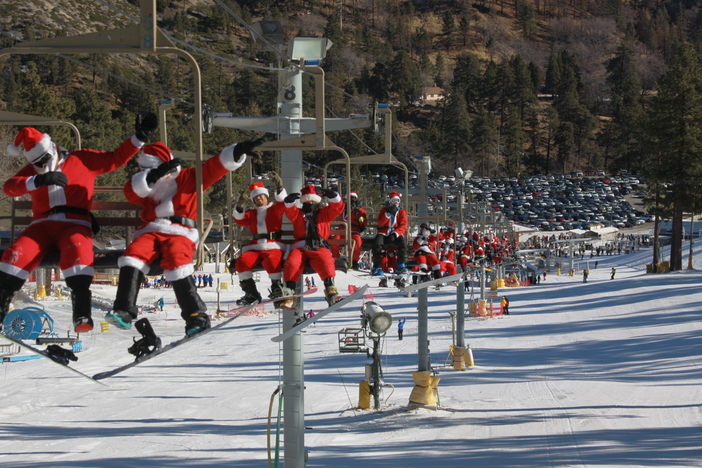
{"type": "Point", "coordinates": [394, 197]}
{"type": "Point", "coordinates": [309, 195]}
{"type": "Point", "coordinates": [153, 155]}
{"type": "Point", "coordinates": [257, 188]}
{"type": "Point", "coordinates": [32, 143]}
{"type": "Point", "coordinates": [353, 195]}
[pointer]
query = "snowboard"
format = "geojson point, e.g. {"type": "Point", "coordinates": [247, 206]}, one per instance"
{"type": "Point", "coordinates": [169, 346]}
{"type": "Point", "coordinates": [267, 301]}
{"type": "Point", "coordinates": [347, 300]}
{"type": "Point", "coordinates": [45, 354]}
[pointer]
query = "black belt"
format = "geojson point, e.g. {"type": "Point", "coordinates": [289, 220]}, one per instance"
{"type": "Point", "coordinates": [269, 236]}
{"type": "Point", "coordinates": [189, 222]}
{"type": "Point", "coordinates": [95, 227]}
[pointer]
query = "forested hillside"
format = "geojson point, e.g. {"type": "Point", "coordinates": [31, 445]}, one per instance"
{"type": "Point", "coordinates": [528, 86]}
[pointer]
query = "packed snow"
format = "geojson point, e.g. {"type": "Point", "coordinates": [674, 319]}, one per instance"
{"type": "Point", "coordinates": [603, 373]}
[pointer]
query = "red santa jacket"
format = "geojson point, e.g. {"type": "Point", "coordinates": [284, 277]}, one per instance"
{"type": "Point", "coordinates": [263, 220]}
{"type": "Point", "coordinates": [81, 167]}
{"type": "Point", "coordinates": [176, 196]}
{"type": "Point", "coordinates": [424, 244]}
{"type": "Point", "coordinates": [359, 220]}
{"type": "Point", "coordinates": [325, 215]}
{"type": "Point", "coordinates": [387, 222]}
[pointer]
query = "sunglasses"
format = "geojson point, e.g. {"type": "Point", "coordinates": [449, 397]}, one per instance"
{"type": "Point", "coordinates": [43, 159]}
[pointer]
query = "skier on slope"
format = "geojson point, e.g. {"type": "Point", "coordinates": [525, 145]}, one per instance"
{"type": "Point", "coordinates": [61, 187]}
{"type": "Point", "coordinates": [265, 222]}
{"type": "Point", "coordinates": [168, 193]}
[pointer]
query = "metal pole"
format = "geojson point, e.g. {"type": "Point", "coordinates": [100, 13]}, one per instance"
{"type": "Point", "coordinates": [290, 107]}
{"type": "Point", "coordinates": [460, 313]}
{"type": "Point", "coordinates": [376, 373]}
{"type": "Point", "coordinates": [422, 331]}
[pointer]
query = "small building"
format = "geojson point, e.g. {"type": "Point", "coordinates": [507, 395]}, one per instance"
{"type": "Point", "coordinates": [432, 95]}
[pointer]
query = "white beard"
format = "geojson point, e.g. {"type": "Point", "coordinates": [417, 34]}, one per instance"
{"type": "Point", "coordinates": [165, 188]}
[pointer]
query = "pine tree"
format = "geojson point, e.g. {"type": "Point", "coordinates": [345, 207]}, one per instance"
{"type": "Point", "coordinates": [674, 135]}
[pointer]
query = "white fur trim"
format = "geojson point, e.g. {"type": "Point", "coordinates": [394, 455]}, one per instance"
{"type": "Point", "coordinates": [259, 191]}
{"type": "Point", "coordinates": [336, 199]}
{"type": "Point", "coordinates": [261, 212]}
{"type": "Point", "coordinates": [310, 197]}
{"type": "Point", "coordinates": [280, 196]}
{"type": "Point", "coordinates": [165, 209]}
{"type": "Point", "coordinates": [226, 157]}
{"type": "Point", "coordinates": [244, 275]}
{"type": "Point", "coordinates": [264, 244]}
{"type": "Point", "coordinates": [30, 184]}
{"type": "Point", "coordinates": [14, 271]}
{"type": "Point", "coordinates": [43, 146]}
{"type": "Point", "coordinates": [127, 261]}
{"type": "Point", "coordinates": [148, 160]}
{"type": "Point", "coordinates": [239, 215]}
{"type": "Point", "coordinates": [76, 270]}
{"type": "Point", "coordinates": [136, 142]}
{"type": "Point", "coordinates": [14, 151]}
{"type": "Point", "coordinates": [165, 226]}
{"type": "Point", "coordinates": [179, 273]}
{"type": "Point", "coordinates": [139, 184]}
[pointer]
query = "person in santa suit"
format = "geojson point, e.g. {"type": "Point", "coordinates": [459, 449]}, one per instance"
{"type": "Point", "coordinates": [423, 246]}
{"type": "Point", "coordinates": [61, 187]}
{"type": "Point", "coordinates": [447, 256]}
{"type": "Point", "coordinates": [167, 194]}
{"type": "Point", "coordinates": [265, 222]}
{"type": "Point", "coordinates": [311, 230]}
{"type": "Point", "coordinates": [392, 230]}
{"type": "Point", "coordinates": [359, 223]}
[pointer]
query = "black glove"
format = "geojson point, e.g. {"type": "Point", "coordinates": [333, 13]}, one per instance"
{"type": "Point", "coordinates": [163, 169]}
{"type": "Point", "coordinates": [329, 193]}
{"type": "Point", "coordinates": [144, 125]}
{"type": "Point", "coordinates": [392, 236]}
{"type": "Point", "coordinates": [51, 178]}
{"type": "Point", "coordinates": [291, 197]}
{"type": "Point", "coordinates": [245, 147]}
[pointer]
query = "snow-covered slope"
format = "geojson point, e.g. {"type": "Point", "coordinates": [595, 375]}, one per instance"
{"type": "Point", "coordinates": [606, 373]}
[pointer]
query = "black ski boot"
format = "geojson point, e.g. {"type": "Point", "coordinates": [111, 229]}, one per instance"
{"type": "Point", "coordinates": [148, 343]}
{"type": "Point", "coordinates": [81, 298]}
{"type": "Point", "coordinates": [192, 308]}
{"type": "Point", "coordinates": [60, 355]}
{"type": "Point", "coordinates": [9, 285]}
{"type": "Point", "coordinates": [124, 309]}
{"type": "Point", "coordinates": [276, 289]}
{"type": "Point", "coordinates": [251, 294]}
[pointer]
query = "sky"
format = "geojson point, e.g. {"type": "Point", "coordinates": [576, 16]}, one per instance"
{"type": "Point", "coordinates": [603, 373]}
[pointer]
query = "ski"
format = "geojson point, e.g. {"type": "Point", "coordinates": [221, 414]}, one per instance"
{"type": "Point", "coordinates": [64, 353]}
{"type": "Point", "coordinates": [267, 301]}
{"type": "Point", "coordinates": [348, 299]}
{"type": "Point", "coordinates": [168, 347]}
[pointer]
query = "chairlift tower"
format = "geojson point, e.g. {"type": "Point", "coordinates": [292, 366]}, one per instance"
{"type": "Point", "coordinates": [296, 133]}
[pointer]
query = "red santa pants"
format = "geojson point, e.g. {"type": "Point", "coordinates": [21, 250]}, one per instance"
{"type": "Point", "coordinates": [426, 260]}
{"type": "Point", "coordinates": [448, 267]}
{"type": "Point", "coordinates": [356, 254]}
{"type": "Point", "coordinates": [320, 260]}
{"type": "Point", "coordinates": [174, 251]}
{"type": "Point", "coordinates": [271, 260]}
{"type": "Point", "coordinates": [73, 241]}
